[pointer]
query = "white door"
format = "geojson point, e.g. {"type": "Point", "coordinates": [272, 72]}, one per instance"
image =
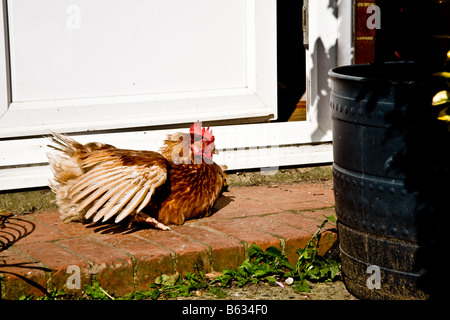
{"type": "Point", "coordinates": [84, 66]}
{"type": "Point", "coordinates": [93, 65]}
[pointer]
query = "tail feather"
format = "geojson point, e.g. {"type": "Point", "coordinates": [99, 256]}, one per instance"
{"type": "Point", "coordinates": [65, 144]}
{"type": "Point", "coordinates": [65, 167]}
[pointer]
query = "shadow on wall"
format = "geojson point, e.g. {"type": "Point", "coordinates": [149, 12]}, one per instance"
{"type": "Point", "coordinates": [320, 88]}
{"type": "Point", "coordinates": [324, 58]}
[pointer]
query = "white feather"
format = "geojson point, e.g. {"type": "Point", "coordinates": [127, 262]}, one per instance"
{"type": "Point", "coordinates": [132, 204]}
{"type": "Point", "coordinates": [102, 200]}
{"type": "Point", "coordinates": [119, 205]}
{"type": "Point", "coordinates": [111, 202]}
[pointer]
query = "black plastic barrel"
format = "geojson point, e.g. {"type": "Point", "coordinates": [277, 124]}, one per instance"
{"type": "Point", "coordinates": [387, 147]}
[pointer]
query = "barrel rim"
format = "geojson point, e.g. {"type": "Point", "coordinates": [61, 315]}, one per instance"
{"type": "Point", "coordinates": [338, 72]}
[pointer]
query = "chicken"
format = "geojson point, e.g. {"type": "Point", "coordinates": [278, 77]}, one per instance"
{"type": "Point", "coordinates": [99, 182]}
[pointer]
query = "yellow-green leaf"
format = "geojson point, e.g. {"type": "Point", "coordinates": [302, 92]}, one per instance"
{"type": "Point", "coordinates": [443, 74]}
{"type": "Point", "coordinates": [443, 115]}
{"type": "Point", "coordinates": [441, 97]}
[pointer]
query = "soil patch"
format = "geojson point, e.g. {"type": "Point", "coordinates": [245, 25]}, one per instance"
{"type": "Point", "coordinates": [262, 291]}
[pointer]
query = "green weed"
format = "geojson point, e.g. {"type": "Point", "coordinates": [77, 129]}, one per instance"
{"type": "Point", "coordinates": [273, 267]}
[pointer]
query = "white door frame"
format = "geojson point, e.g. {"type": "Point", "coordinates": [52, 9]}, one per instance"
{"type": "Point", "coordinates": [23, 161]}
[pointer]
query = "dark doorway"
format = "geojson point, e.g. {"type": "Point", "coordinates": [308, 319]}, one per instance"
{"type": "Point", "coordinates": [290, 60]}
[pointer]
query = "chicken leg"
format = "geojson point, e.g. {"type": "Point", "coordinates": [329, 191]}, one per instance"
{"type": "Point", "coordinates": [140, 218]}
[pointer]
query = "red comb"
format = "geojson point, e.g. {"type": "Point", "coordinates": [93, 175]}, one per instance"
{"type": "Point", "coordinates": [196, 128]}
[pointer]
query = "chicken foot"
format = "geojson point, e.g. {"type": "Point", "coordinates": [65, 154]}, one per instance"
{"type": "Point", "coordinates": [139, 218]}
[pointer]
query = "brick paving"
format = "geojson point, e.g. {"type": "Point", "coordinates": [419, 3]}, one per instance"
{"type": "Point", "coordinates": [38, 251]}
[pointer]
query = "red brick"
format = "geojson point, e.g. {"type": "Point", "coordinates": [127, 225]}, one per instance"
{"type": "Point", "coordinates": [20, 275]}
{"type": "Point", "coordinates": [364, 51]}
{"type": "Point", "coordinates": [264, 194]}
{"type": "Point", "coordinates": [291, 247]}
{"type": "Point", "coordinates": [326, 240]}
{"type": "Point", "coordinates": [47, 217]}
{"type": "Point", "coordinates": [306, 220]}
{"type": "Point", "coordinates": [69, 229]}
{"type": "Point", "coordinates": [318, 215]}
{"type": "Point", "coordinates": [233, 205]}
{"type": "Point", "coordinates": [241, 229]}
{"type": "Point", "coordinates": [27, 230]}
{"type": "Point", "coordinates": [189, 254]}
{"type": "Point", "coordinates": [112, 268]}
{"type": "Point", "coordinates": [310, 221]}
{"type": "Point", "coordinates": [361, 23]}
{"type": "Point", "coordinates": [226, 252]}
{"type": "Point", "coordinates": [289, 197]}
{"type": "Point", "coordinates": [151, 259]}
{"type": "Point", "coordinates": [50, 254]}
{"type": "Point", "coordinates": [294, 238]}
{"type": "Point", "coordinates": [322, 192]}
{"type": "Point", "coordinates": [57, 259]}
{"type": "Point", "coordinates": [270, 224]}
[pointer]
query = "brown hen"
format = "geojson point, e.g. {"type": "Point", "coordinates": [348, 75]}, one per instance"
{"type": "Point", "coordinates": [99, 181]}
